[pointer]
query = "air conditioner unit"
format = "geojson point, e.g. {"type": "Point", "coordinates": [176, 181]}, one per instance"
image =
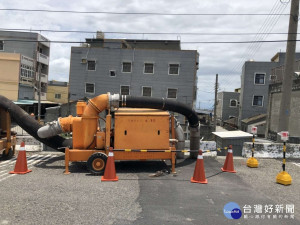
{"type": "Point", "coordinates": [83, 60]}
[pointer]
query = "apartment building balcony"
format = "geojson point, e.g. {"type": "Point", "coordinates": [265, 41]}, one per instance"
{"type": "Point", "coordinates": [43, 58]}
{"type": "Point", "coordinates": [44, 78]}
{"type": "Point", "coordinates": [26, 81]}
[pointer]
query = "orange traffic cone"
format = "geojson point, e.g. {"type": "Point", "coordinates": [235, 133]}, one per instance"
{"type": "Point", "coordinates": [199, 173]}
{"type": "Point", "coordinates": [228, 165]}
{"type": "Point", "coordinates": [110, 170]}
{"type": "Point", "coordinates": [21, 164]}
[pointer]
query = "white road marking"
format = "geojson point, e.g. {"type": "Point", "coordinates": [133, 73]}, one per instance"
{"type": "Point", "coordinates": [10, 175]}
{"type": "Point", "coordinates": [297, 164]}
{"type": "Point", "coordinates": [32, 160]}
{"type": "Point", "coordinates": [4, 174]}
{"type": "Point", "coordinates": [11, 161]}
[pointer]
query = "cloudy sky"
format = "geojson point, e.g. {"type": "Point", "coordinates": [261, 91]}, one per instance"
{"type": "Point", "coordinates": [226, 59]}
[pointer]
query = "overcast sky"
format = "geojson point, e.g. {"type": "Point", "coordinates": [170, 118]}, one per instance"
{"type": "Point", "coordinates": [224, 59]}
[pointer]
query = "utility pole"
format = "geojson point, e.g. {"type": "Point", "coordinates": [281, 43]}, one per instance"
{"type": "Point", "coordinates": [216, 100]}
{"type": "Point", "coordinates": [39, 93]}
{"type": "Point", "coordinates": [69, 106]}
{"type": "Point", "coordinates": [287, 82]}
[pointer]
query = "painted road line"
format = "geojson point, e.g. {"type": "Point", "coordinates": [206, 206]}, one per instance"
{"type": "Point", "coordinates": [14, 159]}
{"type": "Point", "coordinates": [40, 158]}
{"type": "Point", "coordinates": [2, 172]}
{"type": "Point", "coordinates": [8, 168]}
{"type": "Point", "coordinates": [297, 164]}
{"type": "Point", "coordinates": [11, 161]}
{"type": "Point", "coordinates": [28, 159]}
{"type": "Point", "coordinates": [29, 163]}
{"type": "Point", "coordinates": [9, 175]}
{"type": "Point", "coordinates": [47, 157]}
{"type": "Point", "coordinates": [7, 161]}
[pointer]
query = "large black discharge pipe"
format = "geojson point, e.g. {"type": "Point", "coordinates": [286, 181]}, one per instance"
{"type": "Point", "coordinates": [169, 105]}
{"type": "Point", "coordinates": [31, 126]}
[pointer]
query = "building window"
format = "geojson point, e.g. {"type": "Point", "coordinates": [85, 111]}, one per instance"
{"type": "Point", "coordinates": [58, 96]}
{"type": "Point", "coordinates": [258, 100]}
{"type": "Point", "coordinates": [43, 88]}
{"type": "Point", "coordinates": [149, 68]}
{"type": "Point", "coordinates": [233, 103]}
{"type": "Point", "coordinates": [27, 71]}
{"type": "Point", "coordinates": [173, 69]}
{"type": "Point", "coordinates": [112, 73]}
{"type": "Point", "coordinates": [1, 45]}
{"type": "Point", "coordinates": [91, 65]}
{"type": "Point", "coordinates": [147, 91]}
{"type": "Point", "coordinates": [126, 67]}
{"type": "Point", "coordinates": [90, 88]}
{"type": "Point", "coordinates": [172, 93]}
{"type": "Point", "coordinates": [40, 50]}
{"type": "Point", "coordinates": [125, 90]}
{"type": "Point", "coordinates": [259, 78]}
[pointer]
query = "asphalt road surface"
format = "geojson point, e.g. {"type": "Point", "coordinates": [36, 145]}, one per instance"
{"type": "Point", "coordinates": [47, 196]}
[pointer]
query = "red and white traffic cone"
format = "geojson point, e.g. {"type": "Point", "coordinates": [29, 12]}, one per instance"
{"type": "Point", "coordinates": [21, 164]}
{"type": "Point", "coordinates": [199, 173]}
{"type": "Point", "coordinates": [228, 165]}
{"type": "Point", "coordinates": [110, 169]}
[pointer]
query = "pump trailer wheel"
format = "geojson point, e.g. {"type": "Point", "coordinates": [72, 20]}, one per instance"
{"type": "Point", "coordinates": [96, 163]}
{"type": "Point", "coordinates": [9, 155]}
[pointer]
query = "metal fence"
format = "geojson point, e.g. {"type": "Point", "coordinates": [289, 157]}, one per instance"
{"type": "Point", "coordinates": [18, 130]}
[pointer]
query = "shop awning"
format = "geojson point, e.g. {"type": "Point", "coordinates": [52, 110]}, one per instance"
{"type": "Point", "coordinates": [31, 102]}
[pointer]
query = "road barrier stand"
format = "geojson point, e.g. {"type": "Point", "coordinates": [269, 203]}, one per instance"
{"type": "Point", "coordinates": [283, 177]}
{"type": "Point", "coordinates": [110, 169]}
{"type": "Point", "coordinates": [252, 162]}
{"type": "Point", "coordinates": [21, 164]}
{"type": "Point", "coordinates": [199, 173]}
{"type": "Point", "coordinates": [228, 164]}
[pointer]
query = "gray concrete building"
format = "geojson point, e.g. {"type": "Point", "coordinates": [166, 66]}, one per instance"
{"type": "Point", "coordinates": [34, 50]}
{"type": "Point", "coordinates": [227, 106]}
{"type": "Point", "coordinates": [275, 94]}
{"type": "Point", "coordinates": [255, 81]}
{"type": "Point", "coordinates": [153, 68]}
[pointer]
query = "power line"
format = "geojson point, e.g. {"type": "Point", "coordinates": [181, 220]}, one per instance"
{"type": "Point", "coordinates": [210, 92]}
{"type": "Point", "coordinates": [142, 13]}
{"type": "Point", "coordinates": [252, 48]}
{"type": "Point", "coordinates": [148, 33]}
{"type": "Point", "coordinates": [262, 34]}
{"type": "Point", "coordinates": [154, 41]}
